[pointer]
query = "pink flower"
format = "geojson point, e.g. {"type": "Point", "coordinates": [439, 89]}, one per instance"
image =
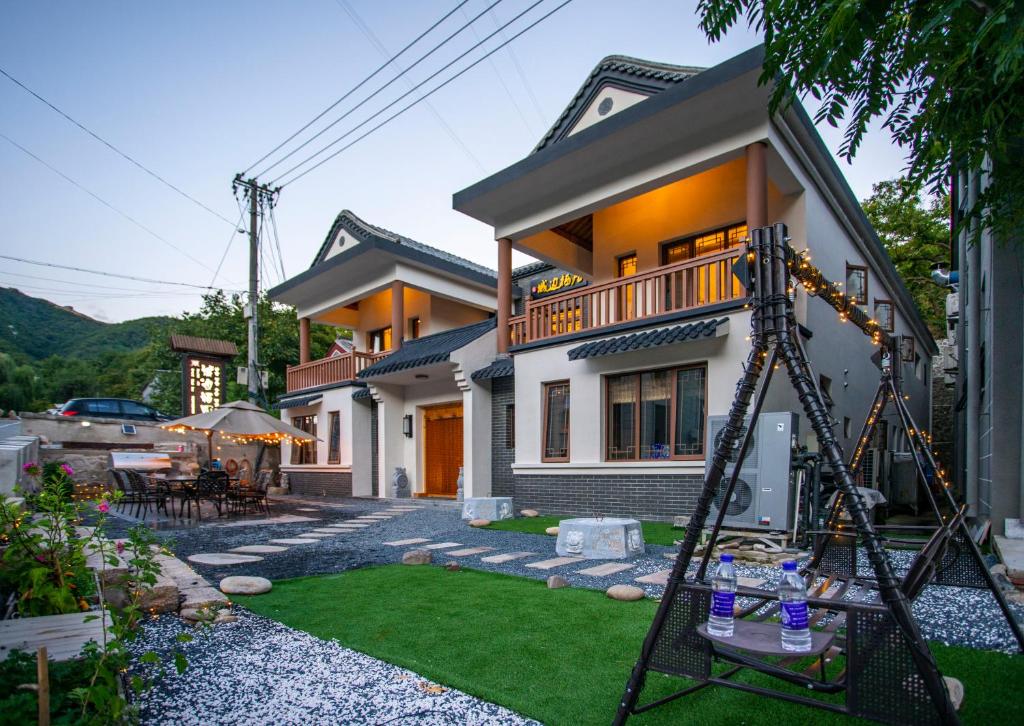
{"type": "Point", "coordinates": [120, 547]}
{"type": "Point", "coordinates": [67, 469]}
{"type": "Point", "coordinates": [31, 468]}
{"type": "Point", "coordinates": [103, 506]}
{"type": "Point", "coordinates": [41, 558]}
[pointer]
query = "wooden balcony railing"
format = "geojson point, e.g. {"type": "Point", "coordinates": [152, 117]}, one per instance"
{"type": "Point", "coordinates": [684, 285]}
{"type": "Point", "coordinates": [329, 370]}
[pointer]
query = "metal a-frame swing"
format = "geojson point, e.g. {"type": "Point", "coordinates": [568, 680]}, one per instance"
{"type": "Point", "coordinates": [890, 674]}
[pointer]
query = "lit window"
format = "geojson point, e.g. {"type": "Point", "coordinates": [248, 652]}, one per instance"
{"type": "Point", "coordinates": [857, 283]}
{"type": "Point", "coordinates": [414, 327]}
{"type": "Point", "coordinates": [304, 453]}
{"type": "Point", "coordinates": [378, 341]}
{"type": "Point", "coordinates": [627, 265]}
{"type": "Point", "coordinates": [556, 421]}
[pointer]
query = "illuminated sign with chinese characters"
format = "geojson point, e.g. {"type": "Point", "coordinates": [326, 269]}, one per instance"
{"type": "Point", "coordinates": [204, 384]}
{"type": "Point", "coordinates": [552, 284]}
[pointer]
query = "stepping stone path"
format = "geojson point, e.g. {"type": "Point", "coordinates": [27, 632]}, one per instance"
{"type": "Point", "coordinates": [258, 549]}
{"type": "Point", "coordinates": [655, 578]}
{"type": "Point", "coordinates": [609, 568]}
{"type": "Point", "coordinates": [222, 558]}
{"type": "Point", "coordinates": [242, 585]}
{"type": "Point", "coordinates": [553, 563]}
{"type": "Point", "coordinates": [294, 540]}
{"type": "Point", "coordinates": [352, 525]}
{"type": "Point", "coordinates": [281, 519]}
{"type": "Point", "coordinates": [317, 535]}
{"type": "Point", "coordinates": [325, 530]}
{"type": "Point", "coordinates": [506, 557]}
{"type": "Point", "coordinates": [306, 509]}
{"type": "Point", "coordinates": [469, 551]}
{"type": "Point", "coordinates": [441, 545]}
{"type": "Point", "coordinates": [404, 542]}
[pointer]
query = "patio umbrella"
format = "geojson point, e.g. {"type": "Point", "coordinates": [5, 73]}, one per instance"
{"type": "Point", "coordinates": [239, 422]}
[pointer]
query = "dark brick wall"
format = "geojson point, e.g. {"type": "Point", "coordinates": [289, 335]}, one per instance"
{"type": "Point", "coordinates": [373, 449]}
{"type": "Point", "coordinates": [651, 497]}
{"type": "Point", "coordinates": [503, 393]}
{"type": "Point", "coordinates": [321, 483]}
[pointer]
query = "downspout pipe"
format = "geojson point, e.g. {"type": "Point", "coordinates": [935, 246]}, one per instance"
{"type": "Point", "coordinates": [971, 251]}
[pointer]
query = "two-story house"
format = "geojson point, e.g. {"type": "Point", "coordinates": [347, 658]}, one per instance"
{"type": "Point", "coordinates": [631, 330]}
{"type": "Point", "coordinates": [399, 395]}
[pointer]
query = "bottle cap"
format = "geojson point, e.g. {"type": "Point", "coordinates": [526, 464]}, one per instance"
{"type": "Point", "coordinates": [789, 565]}
{"type": "Point", "coordinates": [725, 558]}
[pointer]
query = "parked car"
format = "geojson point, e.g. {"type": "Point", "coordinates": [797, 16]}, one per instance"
{"type": "Point", "coordinates": [119, 408]}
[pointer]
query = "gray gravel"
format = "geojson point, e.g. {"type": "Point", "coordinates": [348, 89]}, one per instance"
{"type": "Point", "coordinates": [258, 671]}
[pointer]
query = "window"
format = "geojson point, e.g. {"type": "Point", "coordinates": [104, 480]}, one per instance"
{"type": "Point", "coordinates": [104, 407]}
{"type": "Point", "coordinates": [857, 283]}
{"type": "Point", "coordinates": [414, 327]}
{"type": "Point", "coordinates": [627, 268]}
{"type": "Point", "coordinates": [334, 437]}
{"type": "Point", "coordinates": [510, 426]}
{"type": "Point", "coordinates": [907, 351]}
{"type": "Point", "coordinates": [627, 265]}
{"type": "Point", "coordinates": [825, 384]}
{"type": "Point", "coordinates": [131, 409]}
{"type": "Point", "coordinates": [304, 453]}
{"type": "Point", "coordinates": [556, 421]}
{"type": "Point", "coordinates": [884, 315]}
{"type": "Point", "coordinates": [847, 426]}
{"type": "Point", "coordinates": [703, 244]}
{"type": "Point", "coordinates": [378, 341]}
{"type": "Point", "coordinates": [655, 414]}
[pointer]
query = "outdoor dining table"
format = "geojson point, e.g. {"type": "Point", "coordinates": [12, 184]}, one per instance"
{"type": "Point", "coordinates": [188, 485]}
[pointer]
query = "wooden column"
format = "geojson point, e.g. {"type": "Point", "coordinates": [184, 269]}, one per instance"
{"type": "Point", "coordinates": [504, 293]}
{"type": "Point", "coordinates": [303, 340]}
{"type": "Point", "coordinates": [757, 186]}
{"type": "Point", "coordinates": [397, 314]}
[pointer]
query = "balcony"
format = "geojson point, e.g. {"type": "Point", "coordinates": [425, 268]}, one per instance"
{"type": "Point", "coordinates": [326, 371]}
{"type": "Point", "coordinates": [685, 285]}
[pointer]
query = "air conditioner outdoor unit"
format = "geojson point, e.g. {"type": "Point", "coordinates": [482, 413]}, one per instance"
{"type": "Point", "coordinates": [762, 498]}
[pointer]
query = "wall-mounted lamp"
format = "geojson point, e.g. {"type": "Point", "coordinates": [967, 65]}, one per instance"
{"type": "Point", "coordinates": [407, 425]}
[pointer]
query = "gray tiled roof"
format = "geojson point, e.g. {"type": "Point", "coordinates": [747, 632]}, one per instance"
{"type": "Point", "coordinates": [435, 348]}
{"type": "Point", "coordinates": [648, 339]}
{"type": "Point", "coordinates": [653, 76]}
{"type": "Point", "coordinates": [361, 394]}
{"type": "Point", "coordinates": [296, 401]}
{"type": "Point", "coordinates": [499, 368]}
{"type": "Point", "coordinates": [349, 220]}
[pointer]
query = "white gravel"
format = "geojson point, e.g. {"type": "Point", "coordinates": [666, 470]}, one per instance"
{"type": "Point", "coordinates": [258, 671]}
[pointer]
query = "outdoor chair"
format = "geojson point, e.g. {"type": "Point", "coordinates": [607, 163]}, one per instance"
{"type": "Point", "coordinates": [213, 487]}
{"type": "Point", "coordinates": [147, 492]}
{"type": "Point", "coordinates": [242, 495]}
{"type": "Point", "coordinates": [129, 496]}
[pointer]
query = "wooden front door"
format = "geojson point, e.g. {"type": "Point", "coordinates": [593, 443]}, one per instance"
{"type": "Point", "coordinates": [442, 450]}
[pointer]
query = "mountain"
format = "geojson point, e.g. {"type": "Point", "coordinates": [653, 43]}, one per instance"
{"type": "Point", "coordinates": [33, 329]}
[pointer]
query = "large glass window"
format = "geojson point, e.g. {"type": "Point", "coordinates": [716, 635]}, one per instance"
{"type": "Point", "coordinates": [884, 315]}
{"type": "Point", "coordinates": [334, 441]}
{"type": "Point", "coordinates": [378, 341]}
{"type": "Point", "coordinates": [556, 421]}
{"type": "Point", "coordinates": [703, 244]}
{"type": "Point", "coordinates": [656, 414]}
{"type": "Point", "coordinates": [304, 453]}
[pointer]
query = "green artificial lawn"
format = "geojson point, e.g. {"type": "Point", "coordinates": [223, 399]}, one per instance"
{"type": "Point", "coordinates": [559, 656]}
{"type": "Point", "coordinates": [659, 533]}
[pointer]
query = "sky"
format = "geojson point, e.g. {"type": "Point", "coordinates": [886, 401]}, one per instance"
{"type": "Point", "coordinates": [198, 91]}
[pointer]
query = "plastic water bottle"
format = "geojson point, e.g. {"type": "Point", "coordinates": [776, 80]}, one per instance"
{"type": "Point", "coordinates": [723, 595]}
{"type": "Point", "coordinates": [796, 636]}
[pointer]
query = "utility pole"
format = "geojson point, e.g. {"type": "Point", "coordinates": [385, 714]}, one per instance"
{"type": "Point", "coordinates": [258, 196]}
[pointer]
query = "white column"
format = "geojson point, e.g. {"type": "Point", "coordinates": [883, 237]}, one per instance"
{"type": "Point", "coordinates": [390, 443]}
{"type": "Point", "coordinates": [476, 436]}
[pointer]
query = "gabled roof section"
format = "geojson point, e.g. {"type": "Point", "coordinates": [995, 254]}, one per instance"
{"type": "Point", "coordinates": [499, 368]}
{"type": "Point", "coordinates": [651, 339]}
{"type": "Point", "coordinates": [619, 71]}
{"type": "Point", "coordinates": [435, 348]}
{"type": "Point", "coordinates": [364, 231]}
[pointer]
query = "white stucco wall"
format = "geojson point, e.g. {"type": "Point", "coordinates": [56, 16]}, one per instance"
{"type": "Point", "coordinates": [337, 399]}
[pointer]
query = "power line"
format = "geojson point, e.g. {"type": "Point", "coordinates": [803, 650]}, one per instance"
{"type": "Point", "coordinates": [103, 273]}
{"type": "Point", "coordinates": [521, 74]}
{"type": "Point", "coordinates": [114, 148]}
{"type": "Point", "coordinates": [410, 105]}
{"type": "Point", "coordinates": [277, 243]}
{"type": "Point", "coordinates": [104, 202]}
{"type": "Point", "coordinates": [94, 287]}
{"type": "Point", "coordinates": [357, 86]}
{"type": "Point", "coordinates": [375, 41]}
{"type": "Point", "coordinates": [359, 105]}
{"type": "Point", "coordinates": [231, 239]}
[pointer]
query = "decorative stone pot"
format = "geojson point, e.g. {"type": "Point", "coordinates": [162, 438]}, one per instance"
{"type": "Point", "coordinates": [400, 483]}
{"type": "Point", "coordinates": [461, 493]}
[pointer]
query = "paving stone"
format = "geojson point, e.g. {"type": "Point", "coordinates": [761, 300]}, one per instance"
{"type": "Point", "coordinates": [404, 542]}
{"type": "Point", "coordinates": [243, 585]}
{"type": "Point", "coordinates": [352, 525]}
{"type": "Point", "coordinates": [222, 558]}
{"type": "Point", "coordinates": [441, 545]}
{"type": "Point", "coordinates": [258, 549]}
{"type": "Point", "coordinates": [294, 540]}
{"type": "Point", "coordinates": [198, 598]}
{"type": "Point", "coordinates": [325, 530]}
{"type": "Point", "coordinates": [506, 557]}
{"type": "Point", "coordinates": [552, 563]}
{"type": "Point", "coordinates": [655, 578]}
{"type": "Point", "coordinates": [318, 535]}
{"type": "Point", "coordinates": [306, 509]}
{"type": "Point", "coordinates": [469, 551]}
{"type": "Point", "coordinates": [625, 593]}
{"type": "Point", "coordinates": [608, 568]}
{"type": "Point", "coordinates": [281, 519]}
